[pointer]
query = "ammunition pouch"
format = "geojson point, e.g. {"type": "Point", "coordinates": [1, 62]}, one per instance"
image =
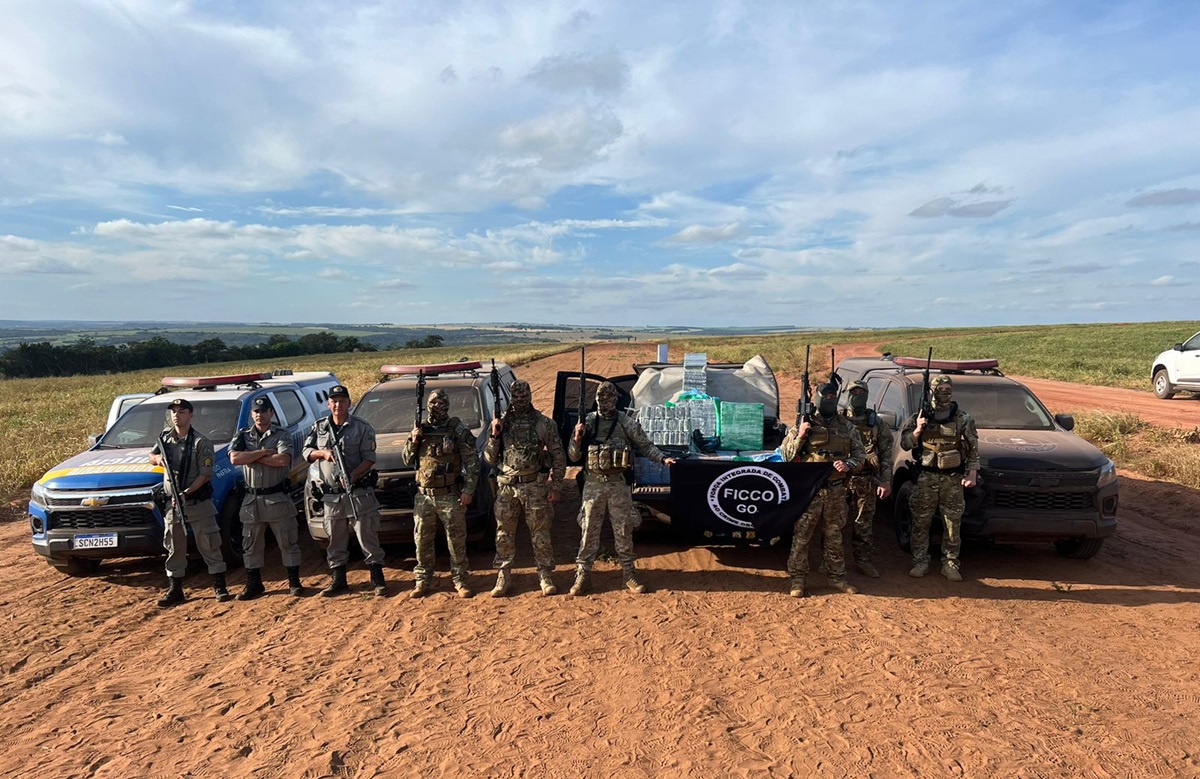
{"type": "Point", "coordinates": [609, 459]}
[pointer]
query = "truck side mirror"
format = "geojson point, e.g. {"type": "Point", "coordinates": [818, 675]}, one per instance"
{"type": "Point", "coordinates": [888, 418]}
{"type": "Point", "coordinates": [1178, 347]}
{"type": "Point", "coordinates": [94, 438]}
{"type": "Point", "coordinates": [1065, 421]}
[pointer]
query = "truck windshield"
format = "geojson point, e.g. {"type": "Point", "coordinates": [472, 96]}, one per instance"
{"type": "Point", "coordinates": [1004, 406]}
{"type": "Point", "coordinates": [395, 411]}
{"type": "Point", "coordinates": [140, 426]}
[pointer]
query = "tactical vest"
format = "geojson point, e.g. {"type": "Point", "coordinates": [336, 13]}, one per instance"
{"type": "Point", "coordinates": [440, 462]}
{"type": "Point", "coordinates": [826, 445]}
{"type": "Point", "coordinates": [868, 428]}
{"type": "Point", "coordinates": [608, 452]}
{"type": "Point", "coordinates": [941, 443]}
{"type": "Point", "coordinates": [522, 447]}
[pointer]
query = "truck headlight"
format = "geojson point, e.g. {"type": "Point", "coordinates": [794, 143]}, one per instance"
{"type": "Point", "coordinates": [1108, 474]}
{"type": "Point", "coordinates": [38, 494]}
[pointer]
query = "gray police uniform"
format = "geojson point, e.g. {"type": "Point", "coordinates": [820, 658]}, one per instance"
{"type": "Point", "coordinates": [201, 515]}
{"type": "Point", "coordinates": [267, 501]}
{"type": "Point", "coordinates": [357, 442]}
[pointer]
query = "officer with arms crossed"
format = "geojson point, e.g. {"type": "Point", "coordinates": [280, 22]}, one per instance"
{"type": "Point", "coordinates": [609, 437]}
{"type": "Point", "coordinates": [872, 479]}
{"type": "Point", "coordinates": [826, 438]}
{"type": "Point", "coordinates": [186, 458]}
{"type": "Point", "coordinates": [522, 447]}
{"type": "Point", "coordinates": [348, 498]}
{"type": "Point", "coordinates": [946, 453]}
{"type": "Point", "coordinates": [264, 452]}
{"type": "Point", "coordinates": [443, 452]}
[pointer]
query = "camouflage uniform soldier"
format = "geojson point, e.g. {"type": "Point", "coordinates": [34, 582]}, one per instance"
{"type": "Point", "coordinates": [872, 479]}
{"type": "Point", "coordinates": [186, 458]}
{"type": "Point", "coordinates": [447, 473]}
{"type": "Point", "coordinates": [264, 451]}
{"type": "Point", "coordinates": [348, 499]}
{"type": "Point", "coordinates": [946, 451]}
{"type": "Point", "coordinates": [522, 448]}
{"type": "Point", "coordinates": [609, 438]}
{"type": "Point", "coordinates": [826, 438]}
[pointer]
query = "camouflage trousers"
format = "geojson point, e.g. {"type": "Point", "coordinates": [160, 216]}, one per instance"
{"type": "Point", "coordinates": [828, 511]}
{"type": "Point", "coordinates": [860, 493]}
{"type": "Point", "coordinates": [614, 499]}
{"type": "Point", "coordinates": [339, 521]}
{"type": "Point", "coordinates": [277, 512]}
{"type": "Point", "coordinates": [429, 510]}
{"type": "Point", "coordinates": [513, 501]}
{"type": "Point", "coordinates": [202, 519]}
{"type": "Point", "coordinates": [933, 492]}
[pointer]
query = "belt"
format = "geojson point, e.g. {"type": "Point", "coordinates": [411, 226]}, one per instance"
{"type": "Point", "coordinates": [519, 479]}
{"type": "Point", "coordinates": [934, 469]}
{"type": "Point", "coordinates": [280, 487]}
{"type": "Point", "coordinates": [435, 491]}
{"type": "Point", "coordinates": [606, 477]}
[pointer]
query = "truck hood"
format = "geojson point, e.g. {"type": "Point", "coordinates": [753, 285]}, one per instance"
{"type": "Point", "coordinates": [103, 469]}
{"type": "Point", "coordinates": [1037, 450]}
{"type": "Point", "coordinates": [388, 447]}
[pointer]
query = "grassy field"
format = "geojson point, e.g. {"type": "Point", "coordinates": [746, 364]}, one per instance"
{"type": "Point", "coordinates": [1170, 455]}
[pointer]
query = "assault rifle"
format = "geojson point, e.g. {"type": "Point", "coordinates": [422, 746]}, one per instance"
{"type": "Point", "coordinates": [494, 383]}
{"type": "Point", "coordinates": [926, 400]}
{"type": "Point", "coordinates": [420, 422]}
{"type": "Point", "coordinates": [169, 477]}
{"type": "Point", "coordinates": [804, 406]}
{"type": "Point", "coordinates": [834, 378]}
{"type": "Point", "coordinates": [339, 459]}
{"type": "Point", "coordinates": [582, 385]}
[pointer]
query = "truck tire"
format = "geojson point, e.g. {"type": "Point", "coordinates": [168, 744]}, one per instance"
{"type": "Point", "coordinates": [1079, 548]}
{"type": "Point", "coordinates": [313, 508]}
{"type": "Point", "coordinates": [75, 566]}
{"type": "Point", "coordinates": [230, 523]}
{"type": "Point", "coordinates": [1163, 388]}
{"type": "Point", "coordinates": [902, 516]}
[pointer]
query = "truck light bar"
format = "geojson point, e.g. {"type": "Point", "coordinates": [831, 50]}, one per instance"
{"type": "Point", "coordinates": [429, 370]}
{"type": "Point", "coordinates": [948, 365]}
{"type": "Point", "coordinates": [212, 381]}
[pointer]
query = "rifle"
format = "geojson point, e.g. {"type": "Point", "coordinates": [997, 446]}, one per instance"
{"type": "Point", "coordinates": [169, 477]}
{"type": "Point", "coordinates": [339, 459]}
{"type": "Point", "coordinates": [582, 384]}
{"type": "Point", "coordinates": [494, 383]}
{"type": "Point", "coordinates": [804, 406]}
{"type": "Point", "coordinates": [420, 398]}
{"type": "Point", "coordinates": [834, 378]}
{"type": "Point", "coordinates": [926, 400]}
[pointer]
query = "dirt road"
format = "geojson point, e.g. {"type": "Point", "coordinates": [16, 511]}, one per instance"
{"type": "Point", "coordinates": [1035, 666]}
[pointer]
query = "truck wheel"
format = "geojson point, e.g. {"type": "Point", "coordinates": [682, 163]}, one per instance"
{"type": "Point", "coordinates": [902, 516]}
{"type": "Point", "coordinates": [1163, 388]}
{"type": "Point", "coordinates": [1079, 548]}
{"type": "Point", "coordinates": [75, 566]}
{"type": "Point", "coordinates": [313, 508]}
{"type": "Point", "coordinates": [230, 523]}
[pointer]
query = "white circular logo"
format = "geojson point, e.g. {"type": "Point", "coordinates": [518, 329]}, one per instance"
{"type": "Point", "coordinates": [737, 495]}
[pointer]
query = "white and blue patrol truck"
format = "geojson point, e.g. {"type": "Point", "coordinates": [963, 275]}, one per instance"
{"type": "Point", "coordinates": [108, 501]}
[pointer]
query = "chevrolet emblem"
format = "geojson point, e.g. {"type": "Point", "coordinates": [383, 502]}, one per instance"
{"type": "Point", "coordinates": [94, 502]}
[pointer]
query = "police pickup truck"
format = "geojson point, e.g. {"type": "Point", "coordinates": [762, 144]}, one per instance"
{"type": "Point", "coordinates": [108, 501]}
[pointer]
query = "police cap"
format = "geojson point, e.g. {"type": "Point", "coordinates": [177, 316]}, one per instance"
{"type": "Point", "coordinates": [262, 403]}
{"type": "Point", "coordinates": [339, 391]}
{"type": "Point", "coordinates": [180, 404]}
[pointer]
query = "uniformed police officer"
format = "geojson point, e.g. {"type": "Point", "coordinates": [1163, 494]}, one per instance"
{"type": "Point", "coordinates": [872, 480]}
{"type": "Point", "coordinates": [830, 438]}
{"type": "Point", "coordinates": [609, 438]}
{"type": "Point", "coordinates": [945, 448]}
{"type": "Point", "coordinates": [527, 454]}
{"type": "Point", "coordinates": [348, 497]}
{"type": "Point", "coordinates": [443, 451]}
{"type": "Point", "coordinates": [264, 451]}
{"type": "Point", "coordinates": [186, 458]}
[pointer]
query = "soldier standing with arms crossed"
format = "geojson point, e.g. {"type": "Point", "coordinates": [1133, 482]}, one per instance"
{"type": "Point", "coordinates": [447, 464]}
{"type": "Point", "coordinates": [825, 438]}
{"type": "Point", "coordinates": [186, 458]}
{"type": "Point", "coordinates": [521, 446]}
{"type": "Point", "coordinates": [349, 503]}
{"type": "Point", "coordinates": [945, 448]}
{"type": "Point", "coordinates": [264, 452]}
{"type": "Point", "coordinates": [609, 437]}
{"type": "Point", "coordinates": [872, 479]}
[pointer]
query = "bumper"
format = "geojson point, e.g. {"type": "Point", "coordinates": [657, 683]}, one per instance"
{"type": "Point", "coordinates": [1041, 515]}
{"type": "Point", "coordinates": [60, 544]}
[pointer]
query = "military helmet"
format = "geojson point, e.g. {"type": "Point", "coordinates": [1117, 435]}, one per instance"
{"type": "Point", "coordinates": [828, 388]}
{"type": "Point", "coordinates": [939, 380]}
{"type": "Point", "coordinates": [608, 388]}
{"type": "Point", "coordinates": [520, 387]}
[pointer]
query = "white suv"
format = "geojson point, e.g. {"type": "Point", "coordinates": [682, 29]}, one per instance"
{"type": "Point", "coordinates": [1178, 368]}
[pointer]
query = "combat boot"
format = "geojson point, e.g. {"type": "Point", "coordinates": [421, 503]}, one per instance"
{"type": "Point", "coordinates": [295, 586]}
{"type": "Point", "coordinates": [462, 589]}
{"type": "Point", "coordinates": [377, 580]}
{"type": "Point", "coordinates": [842, 585]}
{"type": "Point", "coordinates": [174, 593]}
{"type": "Point", "coordinates": [220, 588]}
{"type": "Point", "coordinates": [950, 571]}
{"type": "Point", "coordinates": [919, 569]}
{"type": "Point", "coordinates": [631, 582]}
{"type": "Point", "coordinates": [254, 585]}
{"type": "Point", "coordinates": [337, 582]}
{"type": "Point", "coordinates": [583, 581]}
{"type": "Point", "coordinates": [502, 584]}
{"type": "Point", "coordinates": [797, 590]}
{"type": "Point", "coordinates": [866, 569]}
{"type": "Point", "coordinates": [547, 584]}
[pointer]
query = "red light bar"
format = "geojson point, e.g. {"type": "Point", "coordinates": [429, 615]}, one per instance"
{"type": "Point", "coordinates": [947, 365]}
{"type": "Point", "coordinates": [212, 381]}
{"type": "Point", "coordinates": [428, 370]}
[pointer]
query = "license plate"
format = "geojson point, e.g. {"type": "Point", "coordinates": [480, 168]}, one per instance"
{"type": "Point", "coordinates": [95, 541]}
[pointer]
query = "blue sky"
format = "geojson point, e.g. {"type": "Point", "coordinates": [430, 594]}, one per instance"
{"type": "Point", "coordinates": [725, 163]}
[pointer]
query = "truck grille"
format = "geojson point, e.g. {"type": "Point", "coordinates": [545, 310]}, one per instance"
{"type": "Point", "coordinates": [399, 499]}
{"type": "Point", "coordinates": [1043, 501]}
{"type": "Point", "coordinates": [112, 500]}
{"type": "Point", "coordinates": [132, 516]}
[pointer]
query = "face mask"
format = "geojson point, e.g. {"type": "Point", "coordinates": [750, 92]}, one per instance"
{"type": "Point", "coordinates": [606, 405]}
{"type": "Point", "coordinates": [439, 410]}
{"type": "Point", "coordinates": [941, 399]}
{"type": "Point", "coordinates": [522, 401]}
{"type": "Point", "coordinates": [827, 406]}
{"type": "Point", "coordinates": [858, 402]}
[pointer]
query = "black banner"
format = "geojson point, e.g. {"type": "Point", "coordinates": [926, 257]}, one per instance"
{"type": "Point", "coordinates": [724, 500]}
